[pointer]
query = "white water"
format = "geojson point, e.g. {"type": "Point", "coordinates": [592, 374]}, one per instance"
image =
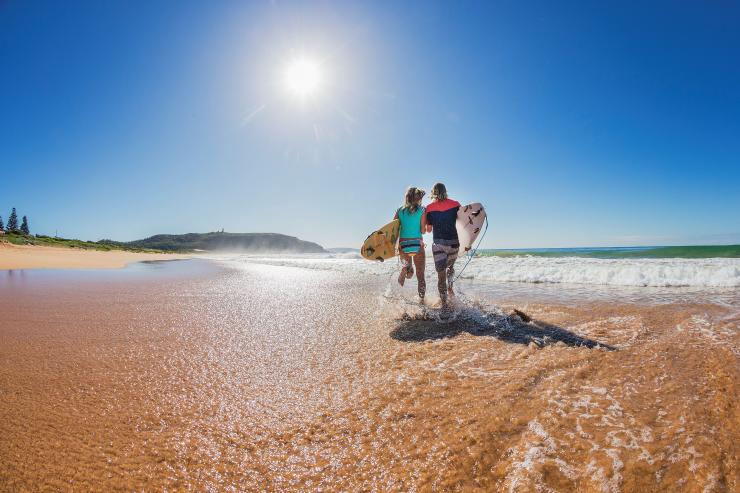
{"type": "Point", "coordinates": [695, 273]}
{"type": "Point", "coordinates": [715, 272]}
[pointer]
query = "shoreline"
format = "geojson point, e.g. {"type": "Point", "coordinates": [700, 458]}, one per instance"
{"type": "Point", "coordinates": [16, 257]}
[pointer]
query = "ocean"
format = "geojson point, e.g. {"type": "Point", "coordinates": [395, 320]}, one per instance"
{"type": "Point", "coordinates": [642, 252]}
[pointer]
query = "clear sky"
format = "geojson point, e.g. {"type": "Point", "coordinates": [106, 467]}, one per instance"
{"type": "Point", "coordinates": [575, 123]}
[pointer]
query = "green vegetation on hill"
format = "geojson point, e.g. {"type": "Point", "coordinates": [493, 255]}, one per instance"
{"type": "Point", "coordinates": [41, 240]}
{"type": "Point", "coordinates": [220, 241]}
{"type": "Point", "coordinates": [13, 227]}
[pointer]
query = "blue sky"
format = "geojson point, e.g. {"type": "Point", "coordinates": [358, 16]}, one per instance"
{"type": "Point", "coordinates": [575, 123]}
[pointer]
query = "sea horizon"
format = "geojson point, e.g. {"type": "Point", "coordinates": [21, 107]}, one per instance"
{"type": "Point", "coordinates": [731, 250]}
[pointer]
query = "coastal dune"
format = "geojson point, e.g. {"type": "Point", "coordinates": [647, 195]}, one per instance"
{"type": "Point", "coordinates": [41, 257]}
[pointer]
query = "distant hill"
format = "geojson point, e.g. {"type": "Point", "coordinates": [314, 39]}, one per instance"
{"type": "Point", "coordinates": [232, 242]}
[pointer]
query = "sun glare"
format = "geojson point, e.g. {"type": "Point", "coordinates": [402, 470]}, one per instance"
{"type": "Point", "coordinates": [303, 78]}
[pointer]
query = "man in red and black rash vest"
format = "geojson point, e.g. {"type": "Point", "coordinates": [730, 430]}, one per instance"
{"type": "Point", "coordinates": [440, 217]}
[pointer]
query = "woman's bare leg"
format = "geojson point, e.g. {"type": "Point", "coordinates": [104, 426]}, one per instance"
{"type": "Point", "coordinates": [410, 266]}
{"type": "Point", "coordinates": [419, 262]}
{"type": "Point", "coordinates": [405, 264]}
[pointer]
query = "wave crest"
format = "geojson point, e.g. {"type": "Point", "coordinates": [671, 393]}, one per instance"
{"type": "Point", "coordinates": [716, 272]}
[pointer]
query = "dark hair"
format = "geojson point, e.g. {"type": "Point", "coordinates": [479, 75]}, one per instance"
{"type": "Point", "coordinates": [439, 191]}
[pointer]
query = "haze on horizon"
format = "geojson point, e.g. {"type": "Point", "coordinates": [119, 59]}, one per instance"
{"type": "Point", "coordinates": [575, 123]}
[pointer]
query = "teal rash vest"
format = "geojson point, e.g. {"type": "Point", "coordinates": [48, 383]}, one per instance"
{"type": "Point", "coordinates": [410, 222]}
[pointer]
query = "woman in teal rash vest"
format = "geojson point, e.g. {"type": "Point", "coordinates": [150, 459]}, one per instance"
{"type": "Point", "coordinates": [411, 243]}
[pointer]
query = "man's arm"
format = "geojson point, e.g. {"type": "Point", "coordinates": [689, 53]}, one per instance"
{"type": "Point", "coordinates": [425, 226]}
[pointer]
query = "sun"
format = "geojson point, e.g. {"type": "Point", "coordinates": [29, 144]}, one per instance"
{"type": "Point", "coordinates": [303, 78]}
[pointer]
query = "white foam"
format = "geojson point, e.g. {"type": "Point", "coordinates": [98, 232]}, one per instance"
{"type": "Point", "coordinates": [713, 272]}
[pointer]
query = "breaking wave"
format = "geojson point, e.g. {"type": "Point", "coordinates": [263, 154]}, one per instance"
{"type": "Point", "coordinates": [715, 272]}
{"type": "Point", "coordinates": [674, 272]}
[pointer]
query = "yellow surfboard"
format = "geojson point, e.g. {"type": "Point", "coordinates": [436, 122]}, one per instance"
{"type": "Point", "coordinates": [381, 244]}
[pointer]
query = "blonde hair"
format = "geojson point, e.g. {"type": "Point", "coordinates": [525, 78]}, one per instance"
{"type": "Point", "coordinates": [412, 199]}
{"type": "Point", "coordinates": [439, 192]}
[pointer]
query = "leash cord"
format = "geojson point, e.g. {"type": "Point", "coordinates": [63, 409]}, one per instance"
{"type": "Point", "coordinates": [472, 252]}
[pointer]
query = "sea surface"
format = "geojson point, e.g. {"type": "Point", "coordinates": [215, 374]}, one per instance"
{"type": "Point", "coordinates": [320, 373]}
{"type": "Point", "coordinates": [693, 251]}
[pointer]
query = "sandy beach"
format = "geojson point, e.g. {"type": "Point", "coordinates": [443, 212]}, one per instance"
{"type": "Point", "coordinates": [41, 257]}
{"type": "Point", "coordinates": [219, 376]}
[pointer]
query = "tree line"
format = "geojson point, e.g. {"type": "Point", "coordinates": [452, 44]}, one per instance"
{"type": "Point", "coordinates": [12, 226]}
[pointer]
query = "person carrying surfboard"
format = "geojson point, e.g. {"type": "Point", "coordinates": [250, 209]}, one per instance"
{"type": "Point", "coordinates": [439, 218]}
{"type": "Point", "coordinates": [410, 241]}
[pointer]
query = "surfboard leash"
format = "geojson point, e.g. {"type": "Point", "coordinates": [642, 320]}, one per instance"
{"type": "Point", "coordinates": [472, 253]}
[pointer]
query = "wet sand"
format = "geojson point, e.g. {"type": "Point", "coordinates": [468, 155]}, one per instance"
{"type": "Point", "coordinates": [191, 376]}
{"type": "Point", "coordinates": [41, 257]}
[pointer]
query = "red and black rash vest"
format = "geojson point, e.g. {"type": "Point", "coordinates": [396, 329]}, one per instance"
{"type": "Point", "coordinates": [442, 216]}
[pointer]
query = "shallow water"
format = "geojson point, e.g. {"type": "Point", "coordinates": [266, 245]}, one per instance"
{"type": "Point", "coordinates": [244, 376]}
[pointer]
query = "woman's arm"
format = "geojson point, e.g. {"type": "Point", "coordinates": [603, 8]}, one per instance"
{"type": "Point", "coordinates": [425, 227]}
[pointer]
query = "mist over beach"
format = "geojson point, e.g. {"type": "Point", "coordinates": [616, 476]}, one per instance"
{"type": "Point", "coordinates": [341, 246]}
